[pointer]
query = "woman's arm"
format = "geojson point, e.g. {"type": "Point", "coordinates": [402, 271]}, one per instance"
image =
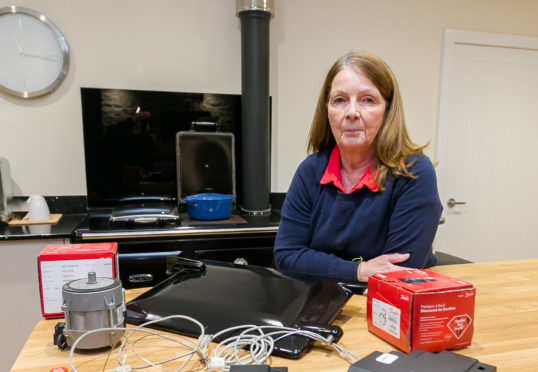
{"type": "Point", "coordinates": [412, 225]}
{"type": "Point", "coordinates": [415, 216]}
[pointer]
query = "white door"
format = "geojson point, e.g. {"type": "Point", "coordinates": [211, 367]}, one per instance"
{"type": "Point", "coordinates": [487, 149]}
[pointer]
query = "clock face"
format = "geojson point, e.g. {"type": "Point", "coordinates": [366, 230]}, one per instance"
{"type": "Point", "coordinates": [33, 52]}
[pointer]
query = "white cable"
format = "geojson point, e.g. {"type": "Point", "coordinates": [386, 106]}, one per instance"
{"type": "Point", "coordinates": [244, 340]}
{"type": "Point", "coordinates": [187, 344]}
{"type": "Point", "coordinates": [190, 354]}
{"type": "Point", "coordinates": [73, 347]}
{"type": "Point", "coordinates": [258, 355]}
{"type": "Point", "coordinates": [252, 340]}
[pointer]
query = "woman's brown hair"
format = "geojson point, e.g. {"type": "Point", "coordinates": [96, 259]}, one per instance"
{"type": "Point", "coordinates": [392, 144]}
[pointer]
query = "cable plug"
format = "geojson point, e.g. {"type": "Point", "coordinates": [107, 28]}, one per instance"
{"type": "Point", "coordinates": [216, 364]}
{"type": "Point", "coordinates": [206, 339]}
{"type": "Point", "coordinates": [120, 369]}
{"type": "Point", "coordinates": [256, 368]}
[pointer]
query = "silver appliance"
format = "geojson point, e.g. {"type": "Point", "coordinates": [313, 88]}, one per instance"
{"type": "Point", "coordinates": [6, 195]}
{"type": "Point", "coordinates": [91, 304]}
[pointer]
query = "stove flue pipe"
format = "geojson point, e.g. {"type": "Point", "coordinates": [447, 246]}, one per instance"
{"type": "Point", "coordinates": [255, 130]}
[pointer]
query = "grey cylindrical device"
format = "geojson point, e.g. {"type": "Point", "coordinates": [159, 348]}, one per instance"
{"type": "Point", "coordinates": [90, 304]}
{"type": "Point", "coordinates": [255, 129]}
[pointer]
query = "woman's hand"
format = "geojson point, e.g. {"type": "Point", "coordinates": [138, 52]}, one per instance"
{"type": "Point", "coordinates": [381, 264]}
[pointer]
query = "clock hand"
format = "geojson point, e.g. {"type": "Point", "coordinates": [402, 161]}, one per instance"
{"type": "Point", "coordinates": [53, 59]}
{"type": "Point", "coordinates": [19, 48]}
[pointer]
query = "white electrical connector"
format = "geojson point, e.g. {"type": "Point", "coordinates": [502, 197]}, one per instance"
{"type": "Point", "coordinates": [252, 346]}
{"type": "Point", "coordinates": [205, 340]}
{"type": "Point", "coordinates": [120, 369]}
{"type": "Point", "coordinates": [216, 364]}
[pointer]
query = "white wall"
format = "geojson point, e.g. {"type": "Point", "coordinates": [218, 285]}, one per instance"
{"type": "Point", "coordinates": [194, 46]}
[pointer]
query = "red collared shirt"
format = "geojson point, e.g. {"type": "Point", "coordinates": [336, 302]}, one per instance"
{"type": "Point", "coordinates": [333, 174]}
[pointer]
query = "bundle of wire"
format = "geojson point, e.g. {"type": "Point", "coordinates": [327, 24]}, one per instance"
{"type": "Point", "coordinates": [252, 345]}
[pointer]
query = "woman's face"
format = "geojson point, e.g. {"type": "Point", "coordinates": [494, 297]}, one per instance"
{"type": "Point", "coordinates": [356, 110]}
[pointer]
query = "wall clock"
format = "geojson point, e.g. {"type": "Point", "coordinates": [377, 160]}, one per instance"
{"type": "Point", "coordinates": [33, 53]}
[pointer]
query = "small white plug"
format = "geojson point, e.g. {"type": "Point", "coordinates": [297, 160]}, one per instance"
{"type": "Point", "coordinates": [120, 369]}
{"type": "Point", "coordinates": [216, 364]}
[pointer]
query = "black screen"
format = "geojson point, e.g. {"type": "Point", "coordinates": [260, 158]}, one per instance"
{"type": "Point", "coordinates": [130, 138]}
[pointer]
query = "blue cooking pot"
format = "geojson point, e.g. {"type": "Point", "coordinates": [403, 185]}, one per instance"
{"type": "Point", "coordinates": [209, 206]}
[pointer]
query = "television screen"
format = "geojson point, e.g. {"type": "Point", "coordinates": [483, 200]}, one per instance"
{"type": "Point", "coordinates": [130, 139]}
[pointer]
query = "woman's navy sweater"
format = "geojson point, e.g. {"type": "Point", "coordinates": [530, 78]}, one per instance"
{"type": "Point", "coordinates": [322, 229]}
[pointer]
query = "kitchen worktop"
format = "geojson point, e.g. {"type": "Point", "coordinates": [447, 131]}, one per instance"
{"type": "Point", "coordinates": [72, 209]}
{"type": "Point", "coordinates": [506, 314]}
{"type": "Point", "coordinates": [64, 228]}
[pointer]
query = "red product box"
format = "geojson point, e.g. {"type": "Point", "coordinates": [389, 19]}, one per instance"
{"type": "Point", "coordinates": [60, 264]}
{"type": "Point", "coordinates": [421, 310]}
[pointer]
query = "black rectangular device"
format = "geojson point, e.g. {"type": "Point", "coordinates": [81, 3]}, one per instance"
{"type": "Point", "coordinates": [419, 361]}
{"type": "Point", "coordinates": [222, 295]}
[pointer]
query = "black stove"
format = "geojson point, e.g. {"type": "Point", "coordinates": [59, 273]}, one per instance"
{"type": "Point", "coordinates": [143, 249]}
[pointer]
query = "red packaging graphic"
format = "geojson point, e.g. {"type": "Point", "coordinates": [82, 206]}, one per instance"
{"type": "Point", "coordinates": [421, 310]}
{"type": "Point", "coordinates": [62, 263]}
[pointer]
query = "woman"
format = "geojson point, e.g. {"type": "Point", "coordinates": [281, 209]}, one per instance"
{"type": "Point", "coordinates": [365, 201]}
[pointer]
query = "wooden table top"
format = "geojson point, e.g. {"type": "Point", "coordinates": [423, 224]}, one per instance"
{"type": "Point", "coordinates": [505, 333]}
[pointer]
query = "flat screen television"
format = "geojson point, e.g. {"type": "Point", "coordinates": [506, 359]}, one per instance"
{"type": "Point", "coordinates": [130, 139]}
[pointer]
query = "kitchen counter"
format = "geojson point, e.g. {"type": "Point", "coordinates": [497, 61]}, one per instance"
{"type": "Point", "coordinates": [505, 330]}
{"type": "Point", "coordinates": [64, 228]}
{"type": "Point", "coordinates": [72, 208]}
